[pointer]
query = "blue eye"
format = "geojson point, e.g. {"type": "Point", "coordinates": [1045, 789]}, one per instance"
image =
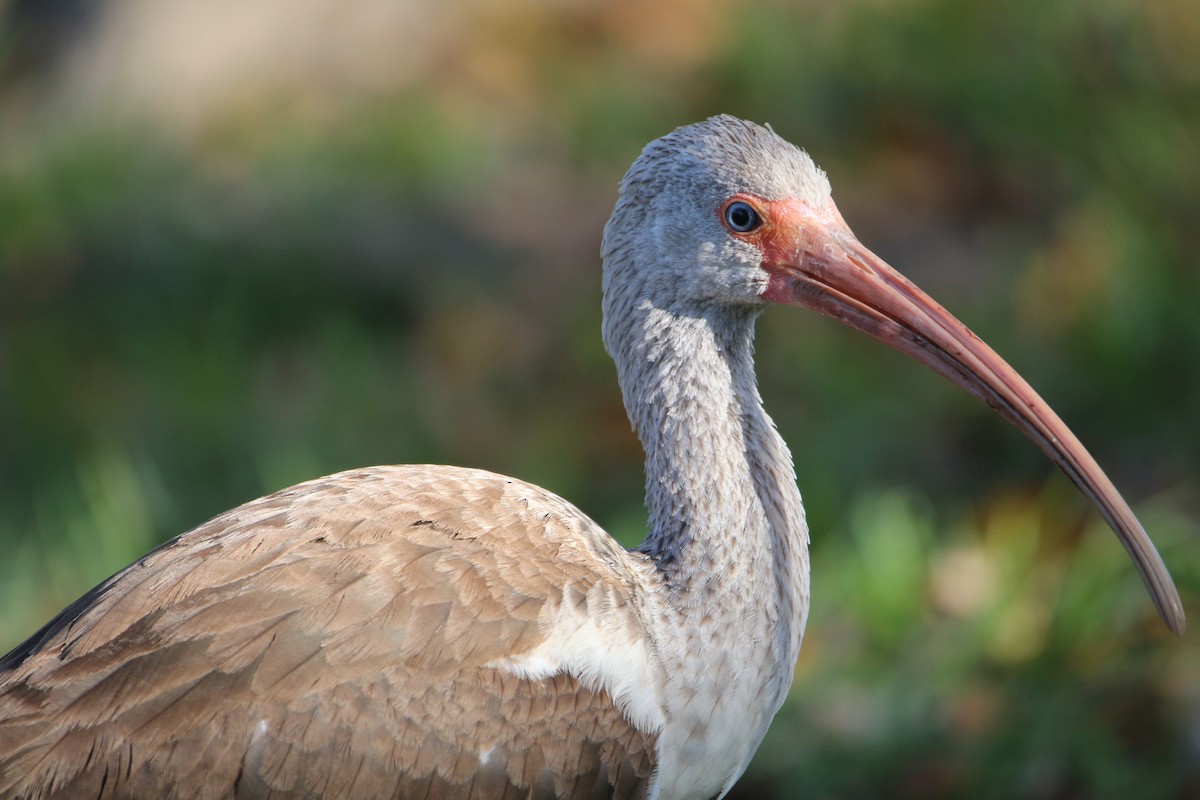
{"type": "Point", "coordinates": [741, 218]}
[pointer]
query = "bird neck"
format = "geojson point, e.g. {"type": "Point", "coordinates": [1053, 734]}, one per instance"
{"type": "Point", "coordinates": [727, 528]}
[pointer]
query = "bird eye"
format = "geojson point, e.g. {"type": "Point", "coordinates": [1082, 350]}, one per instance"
{"type": "Point", "coordinates": [741, 217]}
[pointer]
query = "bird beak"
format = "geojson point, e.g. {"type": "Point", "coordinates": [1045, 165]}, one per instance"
{"type": "Point", "coordinates": [815, 261]}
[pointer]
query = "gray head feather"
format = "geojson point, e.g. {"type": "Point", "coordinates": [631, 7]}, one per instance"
{"type": "Point", "coordinates": [722, 155]}
{"type": "Point", "coordinates": [665, 246]}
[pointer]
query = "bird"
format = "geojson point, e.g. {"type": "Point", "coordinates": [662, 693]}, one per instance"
{"type": "Point", "coordinates": [444, 632]}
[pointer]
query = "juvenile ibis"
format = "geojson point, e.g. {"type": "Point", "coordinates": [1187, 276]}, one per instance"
{"type": "Point", "coordinates": [439, 632]}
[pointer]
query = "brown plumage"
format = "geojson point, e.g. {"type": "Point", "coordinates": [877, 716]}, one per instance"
{"type": "Point", "coordinates": [434, 632]}
{"type": "Point", "coordinates": [331, 639]}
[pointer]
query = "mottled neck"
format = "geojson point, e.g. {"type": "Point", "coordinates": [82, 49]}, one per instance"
{"type": "Point", "coordinates": [725, 513]}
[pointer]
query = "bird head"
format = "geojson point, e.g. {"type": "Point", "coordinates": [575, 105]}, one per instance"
{"type": "Point", "coordinates": [685, 223]}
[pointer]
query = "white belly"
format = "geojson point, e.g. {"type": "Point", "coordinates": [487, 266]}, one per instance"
{"type": "Point", "coordinates": [715, 719]}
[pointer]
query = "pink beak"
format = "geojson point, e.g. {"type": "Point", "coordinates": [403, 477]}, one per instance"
{"type": "Point", "coordinates": [816, 262]}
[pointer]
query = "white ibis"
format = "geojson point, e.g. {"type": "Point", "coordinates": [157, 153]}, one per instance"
{"type": "Point", "coordinates": [437, 632]}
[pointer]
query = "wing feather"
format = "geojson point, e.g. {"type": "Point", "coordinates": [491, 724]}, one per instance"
{"type": "Point", "coordinates": [339, 638]}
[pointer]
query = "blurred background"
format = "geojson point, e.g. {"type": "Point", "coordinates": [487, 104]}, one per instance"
{"type": "Point", "coordinates": [248, 242]}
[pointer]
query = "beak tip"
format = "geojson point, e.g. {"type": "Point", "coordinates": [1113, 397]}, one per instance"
{"type": "Point", "coordinates": [1175, 618]}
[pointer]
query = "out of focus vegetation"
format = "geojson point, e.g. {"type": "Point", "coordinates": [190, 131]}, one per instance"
{"type": "Point", "coordinates": [244, 244]}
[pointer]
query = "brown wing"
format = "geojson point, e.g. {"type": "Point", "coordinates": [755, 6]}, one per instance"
{"type": "Point", "coordinates": [330, 640]}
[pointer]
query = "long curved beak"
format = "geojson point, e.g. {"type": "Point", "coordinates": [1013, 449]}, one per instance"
{"type": "Point", "coordinates": [816, 262]}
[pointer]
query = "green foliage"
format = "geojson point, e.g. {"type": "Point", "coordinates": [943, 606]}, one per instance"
{"type": "Point", "coordinates": [326, 279]}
